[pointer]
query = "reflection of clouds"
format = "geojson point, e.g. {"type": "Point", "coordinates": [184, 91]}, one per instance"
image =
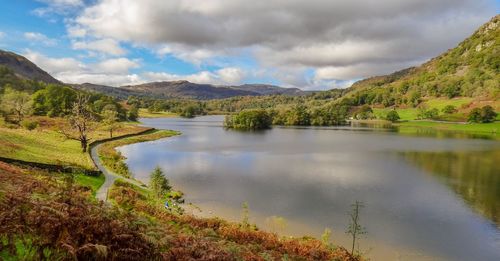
{"type": "Point", "coordinates": [313, 175]}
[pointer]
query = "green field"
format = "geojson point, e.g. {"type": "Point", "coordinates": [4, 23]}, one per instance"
{"type": "Point", "coordinates": [47, 145]}
{"type": "Point", "coordinates": [144, 113]}
{"type": "Point", "coordinates": [408, 114]}
{"type": "Point", "coordinates": [440, 103]}
{"type": "Point", "coordinates": [43, 146]}
{"type": "Point", "coordinates": [492, 129]}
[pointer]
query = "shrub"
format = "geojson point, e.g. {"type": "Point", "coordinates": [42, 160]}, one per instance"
{"type": "Point", "coordinates": [474, 115]}
{"type": "Point", "coordinates": [449, 109]}
{"type": "Point", "coordinates": [485, 114]}
{"type": "Point", "coordinates": [392, 116]}
{"type": "Point", "coordinates": [488, 114]}
{"type": "Point", "coordinates": [29, 125]}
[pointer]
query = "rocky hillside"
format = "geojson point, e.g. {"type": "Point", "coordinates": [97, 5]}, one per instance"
{"type": "Point", "coordinates": [472, 69]}
{"type": "Point", "coordinates": [24, 68]}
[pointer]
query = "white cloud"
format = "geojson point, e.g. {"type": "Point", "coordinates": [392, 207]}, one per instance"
{"type": "Point", "coordinates": [106, 46]}
{"type": "Point", "coordinates": [221, 77]}
{"type": "Point", "coordinates": [191, 55]}
{"type": "Point", "coordinates": [336, 38]}
{"type": "Point", "coordinates": [100, 78]}
{"type": "Point", "coordinates": [38, 38]}
{"type": "Point", "coordinates": [116, 66]}
{"type": "Point", "coordinates": [76, 31]}
{"type": "Point", "coordinates": [231, 75]}
{"type": "Point", "coordinates": [57, 6]}
{"type": "Point", "coordinates": [112, 72]}
{"type": "Point", "coordinates": [54, 65]}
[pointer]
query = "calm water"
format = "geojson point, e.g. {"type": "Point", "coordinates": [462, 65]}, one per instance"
{"type": "Point", "coordinates": [425, 197]}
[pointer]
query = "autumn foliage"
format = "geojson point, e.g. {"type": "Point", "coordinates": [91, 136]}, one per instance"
{"type": "Point", "coordinates": [45, 216]}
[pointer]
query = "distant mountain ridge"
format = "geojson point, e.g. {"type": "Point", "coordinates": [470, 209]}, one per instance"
{"type": "Point", "coordinates": [25, 69]}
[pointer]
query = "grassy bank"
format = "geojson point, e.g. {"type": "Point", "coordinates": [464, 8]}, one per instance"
{"type": "Point", "coordinates": [113, 160]}
{"type": "Point", "coordinates": [46, 144]}
{"type": "Point", "coordinates": [492, 129]}
{"type": "Point", "coordinates": [144, 113]}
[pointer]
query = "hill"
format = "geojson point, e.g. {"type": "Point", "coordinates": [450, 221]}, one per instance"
{"type": "Point", "coordinates": [266, 89]}
{"type": "Point", "coordinates": [185, 89]}
{"type": "Point", "coordinates": [24, 68]}
{"type": "Point", "coordinates": [469, 70]}
{"type": "Point", "coordinates": [116, 92]}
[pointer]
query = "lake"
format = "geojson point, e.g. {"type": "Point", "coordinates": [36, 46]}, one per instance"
{"type": "Point", "coordinates": [425, 197]}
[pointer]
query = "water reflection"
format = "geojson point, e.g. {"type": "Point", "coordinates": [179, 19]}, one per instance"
{"type": "Point", "coordinates": [310, 176]}
{"type": "Point", "coordinates": [474, 176]}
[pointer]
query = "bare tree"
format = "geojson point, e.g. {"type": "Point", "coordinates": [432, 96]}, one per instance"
{"type": "Point", "coordinates": [81, 121]}
{"type": "Point", "coordinates": [355, 229]}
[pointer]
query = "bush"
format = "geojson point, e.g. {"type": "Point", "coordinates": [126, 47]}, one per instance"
{"type": "Point", "coordinates": [29, 125]}
{"type": "Point", "coordinates": [488, 114]}
{"type": "Point", "coordinates": [392, 116]}
{"type": "Point", "coordinates": [449, 109]}
{"type": "Point", "coordinates": [485, 114]}
{"type": "Point", "coordinates": [474, 115]}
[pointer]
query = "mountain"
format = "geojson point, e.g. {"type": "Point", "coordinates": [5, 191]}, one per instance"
{"type": "Point", "coordinates": [185, 89]}
{"type": "Point", "coordinates": [265, 89]}
{"type": "Point", "coordinates": [472, 69]}
{"type": "Point", "coordinates": [116, 92]}
{"type": "Point", "coordinates": [24, 68]}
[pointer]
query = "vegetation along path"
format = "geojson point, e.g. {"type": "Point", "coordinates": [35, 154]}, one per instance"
{"type": "Point", "coordinates": [109, 175]}
{"type": "Point", "coordinates": [110, 161]}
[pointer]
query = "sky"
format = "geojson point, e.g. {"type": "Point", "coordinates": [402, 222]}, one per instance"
{"type": "Point", "coordinates": [312, 45]}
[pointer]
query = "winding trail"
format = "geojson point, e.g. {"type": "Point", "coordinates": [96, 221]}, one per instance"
{"type": "Point", "coordinates": [110, 176]}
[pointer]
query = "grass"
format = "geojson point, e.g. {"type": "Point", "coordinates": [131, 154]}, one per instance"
{"type": "Point", "coordinates": [440, 103]}
{"type": "Point", "coordinates": [94, 183]}
{"type": "Point", "coordinates": [47, 145]}
{"type": "Point", "coordinates": [113, 160]}
{"type": "Point", "coordinates": [144, 113]}
{"type": "Point", "coordinates": [492, 129]}
{"type": "Point", "coordinates": [404, 114]}
{"type": "Point", "coordinates": [44, 146]}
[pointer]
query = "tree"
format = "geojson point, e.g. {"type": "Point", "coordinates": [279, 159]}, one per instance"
{"type": "Point", "coordinates": [474, 115]}
{"type": "Point", "coordinates": [81, 121]}
{"type": "Point", "coordinates": [249, 120]}
{"type": "Point", "coordinates": [355, 229]}
{"type": "Point", "coordinates": [110, 119]}
{"type": "Point", "coordinates": [365, 112]}
{"type": "Point", "coordinates": [17, 103]}
{"type": "Point", "coordinates": [133, 113]}
{"type": "Point", "coordinates": [488, 114]}
{"type": "Point", "coordinates": [392, 116]}
{"type": "Point", "coordinates": [158, 183]}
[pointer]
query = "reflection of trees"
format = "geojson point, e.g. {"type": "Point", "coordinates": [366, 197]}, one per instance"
{"type": "Point", "coordinates": [475, 176]}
